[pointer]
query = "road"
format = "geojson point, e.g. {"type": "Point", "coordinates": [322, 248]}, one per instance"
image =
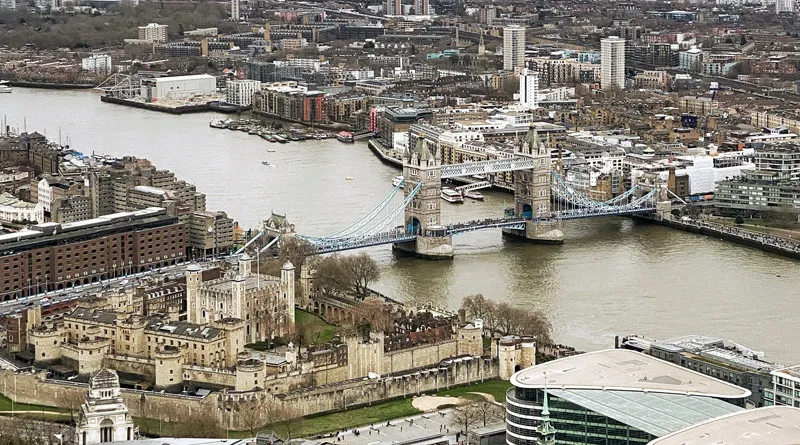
{"type": "Point", "coordinates": [59, 296]}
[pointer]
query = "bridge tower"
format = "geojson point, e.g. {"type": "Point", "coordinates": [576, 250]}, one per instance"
{"type": "Point", "coordinates": [423, 216]}
{"type": "Point", "coordinates": [532, 193]}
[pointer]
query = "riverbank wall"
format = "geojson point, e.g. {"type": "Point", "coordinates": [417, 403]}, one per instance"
{"type": "Point", "coordinates": [332, 126]}
{"type": "Point", "coordinates": [50, 86]}
{"type": "Point", "coordinates": [767, 243]}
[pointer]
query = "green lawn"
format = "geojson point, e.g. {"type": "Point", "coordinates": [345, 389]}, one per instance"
{"type": "Point", "coordinates": [497, 388]}
{"type": "Point", "coordinates": [303, 318]}
{"type": "Point", "coordinates": [325, 423]}
{"type": "Point", "coordinates": [5, 405]}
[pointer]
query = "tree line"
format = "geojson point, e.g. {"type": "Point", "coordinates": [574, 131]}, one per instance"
{"type": "Point", "coordinates": [505, 319]}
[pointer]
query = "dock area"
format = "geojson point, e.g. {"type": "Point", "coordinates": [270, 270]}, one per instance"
{"type": "Point", "coordinates": [270, 132]}
{"type": "Point", "coordinates": [176, 107]}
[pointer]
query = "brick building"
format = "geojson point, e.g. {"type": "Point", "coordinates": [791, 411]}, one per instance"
{"type": "Point", "coordinates": [54, 256]}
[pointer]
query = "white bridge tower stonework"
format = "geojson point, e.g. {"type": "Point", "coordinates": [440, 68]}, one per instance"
{"type": "Point", "coordinates": [423, 215]}
{"type": "Point", "coordinates": [532, 193]}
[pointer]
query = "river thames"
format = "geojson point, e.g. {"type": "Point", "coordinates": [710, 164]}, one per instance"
{"type": "Point", "coordinates": [612, 276]}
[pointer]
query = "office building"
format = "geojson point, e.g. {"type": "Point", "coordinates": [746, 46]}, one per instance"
{"type": "Point", "coordinates": [755, 192]}
{"type": "Point", "coordinates": [777, 425]}
{"type": "Point", "coordinates": [8, 4]}
{"type": "Point", "coordinates": [514, 48]}
{"type": "Point", "coordinates": [784, 6]}
{"type": "Point", "coordinates": [235, 14]}
{"type": "Point", "coordinates": [53, 256]}
{"type": "Point", "coordinates": [97, 63]}
{"type": "Point", "coordinates": [240, 92]}
{"type": "Point", "coordinates": [713, 357]}
{"type": "Point", "coordinates": [785, 388]}
{"type": "Point", "coordinates": [153, 32]}
{"type": "Point", "coordinates": [394, 7]}
{"type": "Point", "coordinates": [422, 7]}
{"type": "Point", "coordinates": [612, 63]}
{"type": "Point", "coordinates": [613, 396]}
{"type": "Point", "coordinates": [781, 159]}
{"type": "Point", "coordinates": [529, 89]}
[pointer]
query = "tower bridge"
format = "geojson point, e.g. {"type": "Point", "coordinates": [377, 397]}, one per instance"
{"type": "Point", "coordinates": [542, 200]}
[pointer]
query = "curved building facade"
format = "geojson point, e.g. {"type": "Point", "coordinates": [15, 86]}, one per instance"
{"type": "Point", "coordinates": [613, 397]}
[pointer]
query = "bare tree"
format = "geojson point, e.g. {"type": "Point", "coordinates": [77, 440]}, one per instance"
{"type": "Point", "coordinates": [466, 417]}
{"type": "Point", "coordinates": [373, 315]}
{"type": "Point", "coordinates": [198, 424]}
{"type": "Point", "coordinates": [250, 415]}
{"type": "Point", "coordinates": [361, 270]}
{"type": "Point", "coordinates": [310, 333]}
{"type": "Point", "coordinates": [487, 411]}
{"type": "Point", "coordinates": [335, 275]}
{"type": "Point", "coordinates": [329, 276]}
{"type": "Point", "coordinates": [72, 402]}
{"type": "Point", "coordinates": [292, 422]}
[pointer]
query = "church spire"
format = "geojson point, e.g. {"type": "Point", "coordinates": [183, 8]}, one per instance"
{"type": "Point", "coordinates": [545, 429]}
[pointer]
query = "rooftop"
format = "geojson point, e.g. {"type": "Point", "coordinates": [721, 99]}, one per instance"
{"type": "Point", "coordinates": [8, 200]}
{"type": "Point", "coordinates": [773, 425]}
{"type": "Point", "coordinates": [654, 413]}
{"type": "Point", "coordinates": [251, 282]}
{"type": "Point", "coordinates": [624, 370]}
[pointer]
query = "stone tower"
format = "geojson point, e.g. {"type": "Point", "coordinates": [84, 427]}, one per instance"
{"type": "Point", "coordinates": [288, 290]}
{"type": "Point", "coordinates": [532, 194]}
{"type": "Point", "coordinates": [481, 46]}
{"type": "Point", "coordinates": [193, 303]}
{"type": "Point", "coordinates": [532, 187]}
{"type": "Point", "coordinates": [423, 215]}
{"type": "Point", "coordinates": [422, 166]}
{"type": "Point", "coordinates": [245, 265]}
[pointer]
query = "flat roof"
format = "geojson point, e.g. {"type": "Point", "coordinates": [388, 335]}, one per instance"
{"type": "Point", "coordinates": [624, 370]}
{"type": "Point", "coordinates": [772, 425]}
{"type": "Point", "coordinates": [654, 413]}
{"type": "Point", "coordinates": [180, 78]}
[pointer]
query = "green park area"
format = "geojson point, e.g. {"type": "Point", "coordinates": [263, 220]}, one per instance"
{"type": "Point", "coordinates": [496, 388]}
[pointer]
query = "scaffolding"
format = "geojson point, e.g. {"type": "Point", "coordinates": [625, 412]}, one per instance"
{"type": "Point", "coordinates": [121, 86]}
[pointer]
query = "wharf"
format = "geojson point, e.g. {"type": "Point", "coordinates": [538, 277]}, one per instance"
{"type": "Point", "coordinates": [768, 243]}
{"type": "Point", "coordinates": [179, 109]}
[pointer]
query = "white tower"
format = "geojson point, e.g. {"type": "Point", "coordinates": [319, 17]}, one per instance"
{"type": "Point", "coordinates": [235, 14]}
{"type": "Point", "coordinates": [612, 62]}
{"type": "Point", "coordinates": [104, 416]}
{"type": "Point", "coordinates": [513, 48]}
{"type": "Point", "coordinates": [529, 89]}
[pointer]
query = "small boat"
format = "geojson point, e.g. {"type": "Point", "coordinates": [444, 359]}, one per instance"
{"type": "Point", "coordinates": [270, 150]}
{"type": "Point", "coordinates": [398, 180]}
{"type": "Point", "coordinates": [452, 196]}
{"type": "Point", "coordinates": [474, 194]}
{"type": "Point", "coordinates": [345, 136]}
{"type": "Point", "coordinates": [280, 139]}
{"type": "Point", "coordinates": [4, 88]}
{"type": "Point", "coordinates": [349, 178]}
{"type": "Point", "coordinates": [265, 163]}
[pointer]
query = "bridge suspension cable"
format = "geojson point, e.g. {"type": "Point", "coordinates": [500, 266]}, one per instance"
{"type": "Point", "coordinates": [363, 221]}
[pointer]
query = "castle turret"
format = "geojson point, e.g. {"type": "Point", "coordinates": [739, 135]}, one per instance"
{"type": "Point", "coordinates": [470, 338]}
{"type": "Point", "coordinates": [249, 372]}
{"type": "Point", "coordinates": [245, 265]}
{"type": "Point", "coordinates": [193, 303]}
{"type": "Point", "coordinates": [169, 366]}
{"type": "Point", "coordinates": [234, 338]}
{"type": "Point", "coordinates": [288, 289]}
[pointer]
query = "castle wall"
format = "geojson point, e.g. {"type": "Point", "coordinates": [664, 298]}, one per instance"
{"type": "Point", "coordinates": [212, 376]}
{"type": "Point", "coordinates": [291, 390]}
{"type": "Point", "coordinates": [131, 365]}
{"type": "Point", "coordinates": [355, 392]}
{"type": "Point", "coordinates": [419, 356]}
